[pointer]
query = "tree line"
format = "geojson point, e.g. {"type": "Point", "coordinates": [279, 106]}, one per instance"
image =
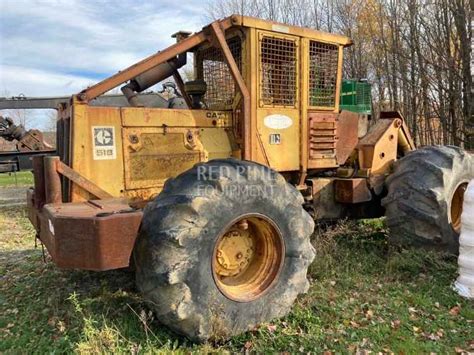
{"type": "Point", "coordinates": [415, 53]}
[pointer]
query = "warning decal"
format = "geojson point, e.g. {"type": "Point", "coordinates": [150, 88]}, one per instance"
{"type": "Point", "coordinates": [104, 142]}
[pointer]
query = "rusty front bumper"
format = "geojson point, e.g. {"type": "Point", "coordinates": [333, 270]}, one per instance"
{"type": "Point", "coordinates": [90, 235]}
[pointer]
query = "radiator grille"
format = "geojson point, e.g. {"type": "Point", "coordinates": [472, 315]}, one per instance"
{"type": "Point", "coordinates": [322, 137]}
{"type": "Point", "coordinates": [322, 74]}
{"type": "Point", "coordinates": [221, 88]}
{"type": "Point", "coordinates": [278, 71]}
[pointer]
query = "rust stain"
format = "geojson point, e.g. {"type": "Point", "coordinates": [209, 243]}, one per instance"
{"type": "Point", "coordinates": [90, 236]}
{"type": "Point", "coordinates": [347, 134]}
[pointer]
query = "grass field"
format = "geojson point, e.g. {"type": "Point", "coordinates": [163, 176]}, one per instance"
{"type": "Point", "coordinates": [21, 178]}
{"type": "Point", "coordinates": [364, 297]}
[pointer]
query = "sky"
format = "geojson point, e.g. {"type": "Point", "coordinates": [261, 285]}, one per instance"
{"type": "Point", "coordinates": [59, 47]}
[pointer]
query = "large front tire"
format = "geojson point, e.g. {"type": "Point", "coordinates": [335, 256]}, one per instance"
{"type": "Point", "coordinates": [425, 195]}
{"type": "Point", "coordinates": [225, 246]}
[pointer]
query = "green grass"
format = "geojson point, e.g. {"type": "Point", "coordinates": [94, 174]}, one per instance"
{"type": "Point", "coordinates": [364, 296]}
{"type": "Point", "coordinates": [21, 178]}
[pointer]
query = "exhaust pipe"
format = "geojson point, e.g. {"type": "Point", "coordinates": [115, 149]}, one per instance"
{"type": "Point", "coordinates": [154, 75]}
{"type": "Point", "coordinates": [151, 77]}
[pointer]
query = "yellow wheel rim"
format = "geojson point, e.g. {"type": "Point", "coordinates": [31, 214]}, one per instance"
{"type": "Point", "coordinates": [457, 201]}
{"type": "Point", "coordinates": [248, 257]}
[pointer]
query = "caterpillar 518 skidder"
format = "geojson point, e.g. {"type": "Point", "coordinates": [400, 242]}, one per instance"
{"type": "Point", "coordinates": [212, 199]}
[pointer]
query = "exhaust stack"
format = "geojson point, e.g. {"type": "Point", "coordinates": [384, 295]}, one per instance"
{"type": "Point", "coordinates": [154, 75]}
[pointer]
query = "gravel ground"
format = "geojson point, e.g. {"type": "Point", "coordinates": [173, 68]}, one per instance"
{"type": "Point", "coordinates": [12, 196]}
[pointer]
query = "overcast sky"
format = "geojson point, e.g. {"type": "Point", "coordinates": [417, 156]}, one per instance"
{"type": "Point", "coordinates": [59, 47]}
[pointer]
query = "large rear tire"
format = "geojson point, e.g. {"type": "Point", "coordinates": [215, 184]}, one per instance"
{"type": "Point", "coordinates": [225, 246]}
{"type": "Point", "coordinates": [425, 196]}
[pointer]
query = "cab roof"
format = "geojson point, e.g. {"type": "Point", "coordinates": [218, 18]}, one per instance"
{"type": "Point", "coordinates": [321, 36]}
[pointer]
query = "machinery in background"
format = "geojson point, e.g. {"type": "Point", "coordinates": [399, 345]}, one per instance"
{"type": "Point", "coordinates": [29, 143]}
{"type": "Point", "coordinates": [356, 96]}
{"type": "Point", "coordinates": [31, 140]}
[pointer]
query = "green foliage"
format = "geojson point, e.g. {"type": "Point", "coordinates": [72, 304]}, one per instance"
{"type": "Point", "coordinates": [365, 295]}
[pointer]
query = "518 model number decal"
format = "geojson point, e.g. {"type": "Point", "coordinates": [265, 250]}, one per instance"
{"type": "Point", "coordinates": [103, 139]}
